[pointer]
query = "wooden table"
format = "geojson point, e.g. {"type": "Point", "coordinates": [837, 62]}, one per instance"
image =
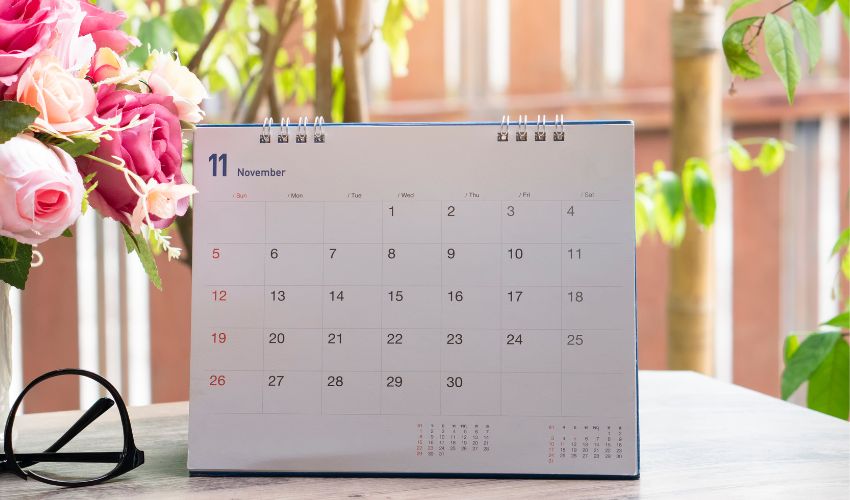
{"type": "Point", "coordinates": [700, 438]}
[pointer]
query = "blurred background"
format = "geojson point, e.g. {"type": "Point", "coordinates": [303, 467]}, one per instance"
{"type": "Point", "coordinates": [447, 60]}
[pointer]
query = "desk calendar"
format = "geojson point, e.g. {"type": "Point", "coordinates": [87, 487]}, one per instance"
{"type": "Point", "coordinates": [414, 299]}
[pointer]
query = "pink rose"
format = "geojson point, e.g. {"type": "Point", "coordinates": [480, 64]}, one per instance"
{"type": "Point", "coordinates": [62, 100]}
{"type": "Point", "coordinates": [151, 150]}
{"type": "Point", "coordinates": [26, 28]}
{"type": "Point", "coordinates": [103, 27]}
{"type": "Point", "coordinates": [109, 68]}
{"type": "Point", "coordinates": [168, 77]}
{"type": "Point", "coordinates": [41, 191]}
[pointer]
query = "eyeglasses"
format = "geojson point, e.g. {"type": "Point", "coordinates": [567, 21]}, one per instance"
{"type": "Point", "coordinates": [103, 431]}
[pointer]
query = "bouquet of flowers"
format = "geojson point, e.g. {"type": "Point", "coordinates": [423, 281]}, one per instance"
{"type": "Point", "coordinates": [80, 126]}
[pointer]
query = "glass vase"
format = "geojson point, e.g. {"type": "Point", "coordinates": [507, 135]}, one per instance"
{"type": "Point", "coordinates": [5, 354]}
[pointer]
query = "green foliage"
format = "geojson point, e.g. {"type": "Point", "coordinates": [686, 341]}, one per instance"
{"type": "Point", "coordinates": [840, 321]}
{"type": "Point", "coordinates": [738, 4]}
{"type": "Point", "coordinates": [807, 27]}
{"type": "Point", "coordinates": [771, 156]}
{"type": "Point", "coordinates": [806, 360]}
{"type": "Point", "coordinates": [737, 55]}
{"type": "Point", "coordinates": [663, 198]}
{"type": "Point", "coordinates": [829, 385]}
{"type": "Point", "coordinates": [137, 243]}
{"type": "Point", "coordinates": [699, 190]}
{"type": "Point", "coordinates": [233, 61]}
{"type": "Point", "coordinates": [740, 37]}
{"type": "Point", "coordinates": [398, 20]}
{"type": "Point", "coordinates": [740, 157]}
{"type": "Point", "coordinates": [78, 147]}
{"type": "Point", "coordinates": [792, 343]}
{"type": "Point", "coordinates": [189, 24]}
{"type": "Point", "coordinates": [843, 241]}
{"type": "Point", "coordinates": [15, 118]}
{"type": "Point", "coordinates": [154, 34]}
{"type": "Point", "coordinates": [15, 262]}
{"type": "Point", "coordinates": [817, 7]}
{"type": "Point", "coordinates": [779, 44]}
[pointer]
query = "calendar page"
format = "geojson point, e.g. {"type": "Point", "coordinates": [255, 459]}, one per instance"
{"type": "Point", "coordinates": [414, 299]}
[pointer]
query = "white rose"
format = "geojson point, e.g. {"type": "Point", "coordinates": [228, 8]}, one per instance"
{"type": "Point", "coordinates": [167, 76]}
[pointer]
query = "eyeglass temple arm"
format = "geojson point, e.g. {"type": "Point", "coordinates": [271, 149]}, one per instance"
{"type": "Point", "coordinates": [93, 413]}
{"type": "Point", "coordinates": [96, 410]}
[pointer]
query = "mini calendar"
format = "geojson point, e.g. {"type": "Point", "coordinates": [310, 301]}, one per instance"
{"type": "Point", "coordinates": [414, 299]}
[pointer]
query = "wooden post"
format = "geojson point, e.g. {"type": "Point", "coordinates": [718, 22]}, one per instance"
{"type": "Point", "coordinates": [697, 29]}
{"type": "Point", "coordinates": [352, 62]}
{"type": "Point", "coordinates": [326, 32]}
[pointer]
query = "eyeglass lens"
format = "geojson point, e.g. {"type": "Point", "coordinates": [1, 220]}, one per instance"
{"type": "Point", "coordinates": [68, 446]}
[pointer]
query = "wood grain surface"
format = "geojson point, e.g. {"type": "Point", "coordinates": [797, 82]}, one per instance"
{"type": "Point", "coordinates": [700, 438]}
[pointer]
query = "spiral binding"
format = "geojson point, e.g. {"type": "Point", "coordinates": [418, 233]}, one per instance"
{"type": "Point", "coordinates": [540, 131]}
{"type": "Point", "coordinates": [301, 130]}
{"type": "Point", "coordinates": [503, 135]}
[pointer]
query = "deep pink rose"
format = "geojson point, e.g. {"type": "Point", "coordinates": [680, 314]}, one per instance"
{"type": "Point", "coordinates": [152, 150]}
{"type": "Point", "coordinates": [104, 28]}
{"type": "Point", "coordinates": [26, 28]}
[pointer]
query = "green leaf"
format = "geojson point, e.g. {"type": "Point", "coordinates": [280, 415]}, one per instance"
{"type": "Point", "coordinates": [78, 147]}
{"type": "Point", "coordinates": [829, 385]}
{"type": "Point", "coordinates": [154, 34]}
{"type": "Point", "coordinates": [844, 6]}
{"type": "Point", "coordinates": [67, 233]}
{"type": "Point", "coordinates": [189, 24]}
{"type": "Point", "coordinates": [394, 32]}
{"type": "Point", "coordinates": [792, 343]}
{"type": "Point", "coordinates": [806, 360]}
{"type": "Point", "coordinates": [843, 241]}
{"type": "Point", "coordinates": [840, 321]}
{"type": "Point", "coordinates": [671, 190]}
{"type": "Point", "coordinates": [267, 19]}
{"type": "Point", "coordinates": [845, 265]}
{"type": "Point", "coordinates": [15, 117]}
{"type": "Point", "coordinates": [669, 206]}
{"type": "Point", "coordinates": [644, 221]}
{"type": "Point", "coordinates": [417, 8]}
{"type": "Point", "coordinates": [807, 27]}
{"type": "Point", "coordinates": [737, 57]}
{"type": "Point", "coordinates": [816, 7]}
{"type": "Point", "coordinates": [703, 200]}
{"type": "Point", "coordinates": [779, 43]}
{"type": "Point", "coordinates": [740, 157]}
{"type": "Point", "coordinates": [15, 262]}
{"type": "Point", "coordinates": [137, 243]}
{"type": "Point", "coordinates": [771, 156]}
{"type": "Point", "coordinates": [738, 4]}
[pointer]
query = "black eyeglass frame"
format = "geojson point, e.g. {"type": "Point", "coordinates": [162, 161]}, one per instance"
{"type": "Point", "coordinates": [126, 460]}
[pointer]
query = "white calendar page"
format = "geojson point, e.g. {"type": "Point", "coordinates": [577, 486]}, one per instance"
{"type": "Point", "coordinates": [414, 299]}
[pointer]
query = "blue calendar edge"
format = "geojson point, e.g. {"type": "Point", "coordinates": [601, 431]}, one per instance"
{"type": "Point", "coordinates": [413, 475]}
{"type": "Point", "coordinates": [210, 473]}
{"type": "Point", "coordinates": [420, 124]}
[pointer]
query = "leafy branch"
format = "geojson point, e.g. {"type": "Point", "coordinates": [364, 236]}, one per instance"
{"type": "Point", "coordinates": [663, 198]}
{"type": "Point", "coordinates": [740, 38]}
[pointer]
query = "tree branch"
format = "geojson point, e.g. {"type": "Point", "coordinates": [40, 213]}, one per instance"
{"type": "Point", "coordinates": [326, 30]}
{"type": "Point", "coordinates": [195, 62]}
{"type": "Point", "coordinates": [270, 54]}
{"type": "Point", "coordinates": [352, 63]}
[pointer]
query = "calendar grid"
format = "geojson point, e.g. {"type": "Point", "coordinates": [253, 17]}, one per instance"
{"type": "Point", "coordinates": [265, 285]}
{"type": "Point", "coordinates": [501, 303]}
{"type": "Point", "coordinates": [381, 307]}
{"type": "Point", "coordinates": [442, 321]}
{"type": "Point", "coordinates": [322, 334]}
{"type": "Point", "coordinates": [561, 344]}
